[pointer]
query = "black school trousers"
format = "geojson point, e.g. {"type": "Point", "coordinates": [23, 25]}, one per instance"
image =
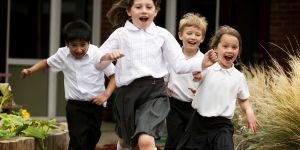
{"type": "Point", "coordinates": [84, 123]}
{"type": "Point", "coordinates": [207, 133]}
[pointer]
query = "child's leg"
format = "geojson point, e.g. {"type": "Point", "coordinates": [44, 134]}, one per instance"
{"type": "Point", "coordinates": [224, 140]}
{"type": "Point", "coordinates": [146, 142]}
{"type": "Point", "coordinates": [122, 145]}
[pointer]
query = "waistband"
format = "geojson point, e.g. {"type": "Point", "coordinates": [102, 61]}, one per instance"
{"type": "Point", "coordinates": [150, 79]}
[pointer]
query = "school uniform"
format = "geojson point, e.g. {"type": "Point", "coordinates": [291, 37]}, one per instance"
{"type": "Point", "coordinates": [82, 82]}
{"type": "Point", "coordinates": [141, 102]}
{"type": "Point", "coordinates": [210, 127]}
{"type": "Point", "coordinates": [181, 104]}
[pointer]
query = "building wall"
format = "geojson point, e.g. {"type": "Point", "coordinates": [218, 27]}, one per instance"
{"type": "Point", "coordinates": [284, 26]}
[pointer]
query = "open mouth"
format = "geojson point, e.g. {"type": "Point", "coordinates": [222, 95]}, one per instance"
{"type": "Point", "coordinates": [228, 58]}
{"type": "Point", "coordinates": [192, 43]}
{"type": "Point", "coordinates": [144, 19]}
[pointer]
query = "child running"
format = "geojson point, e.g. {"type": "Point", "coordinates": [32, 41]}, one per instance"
{"type": "Point", "coordinates": [83, 82]}
{"type": "Point", "coordinates": [142, 103]}
{"type": "Point", "coordinates": [181, 87]}
{"type": "Point", "coordinates": [210, 127]}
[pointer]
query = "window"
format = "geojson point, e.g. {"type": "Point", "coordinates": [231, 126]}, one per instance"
{"type": "Point", "coordinates": [29, 29]}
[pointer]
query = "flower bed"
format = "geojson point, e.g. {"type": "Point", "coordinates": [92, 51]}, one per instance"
{"type": "Point", "coordinates": [18, 130]}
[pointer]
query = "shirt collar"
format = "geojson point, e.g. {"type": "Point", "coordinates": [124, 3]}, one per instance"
{"type": "Point", "coordinates": [230, 70]}
{"type": "Point", "coordinates": [198, 54]}
{"type": "Point", "coordinates": [130, 26]}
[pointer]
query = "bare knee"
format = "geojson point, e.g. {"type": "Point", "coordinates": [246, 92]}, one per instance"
{"type": "Point", "coordinates": [146, 142]}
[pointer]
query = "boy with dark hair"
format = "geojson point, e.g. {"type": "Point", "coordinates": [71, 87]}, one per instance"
{"type": "Point", "coordinates": [84, 84]}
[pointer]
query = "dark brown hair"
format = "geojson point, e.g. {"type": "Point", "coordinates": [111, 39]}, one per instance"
{"type": "Point", "coordinates": [117, 15]}
{"type": "Point", "coordinates": [215, 40]}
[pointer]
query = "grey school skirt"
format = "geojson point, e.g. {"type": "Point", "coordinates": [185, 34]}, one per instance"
{"type": "Point", "coordinates": [141, 107]}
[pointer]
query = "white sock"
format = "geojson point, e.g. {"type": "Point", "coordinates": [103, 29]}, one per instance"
{"type": "Point", "coordinates": [119, 147]}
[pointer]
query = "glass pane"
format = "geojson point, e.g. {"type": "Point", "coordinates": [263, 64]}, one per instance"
{"type": "Point", "coordinates": [74, 10]}
{"type": "Point", "coordinates": [206, 8]}
{"type": "Point", "coordinates": [3, 22]}
{"type": "Point", "coordinates": [29, 29]}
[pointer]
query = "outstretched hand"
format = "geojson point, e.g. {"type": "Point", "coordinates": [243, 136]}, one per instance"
{"type": "Point", "coordinates": [114, 55]}
{"type": "Point", "coordinates": [210, 57]}
{"type": "Point", "coordinates": [25, 73]}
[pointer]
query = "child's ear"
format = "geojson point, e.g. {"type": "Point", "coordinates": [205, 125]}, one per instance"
{"type": "Point", "coordinates": [180, 35]}
{"type": "Point", "coordinates": [128, 12]}
{"type": "Point", "coordinates": [202, 39]}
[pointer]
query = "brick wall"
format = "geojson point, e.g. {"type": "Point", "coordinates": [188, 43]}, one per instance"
{"type": "Point", "coordinates": [284, 26]}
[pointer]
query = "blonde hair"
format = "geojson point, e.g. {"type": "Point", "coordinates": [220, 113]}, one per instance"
{"type": "Point", "coordinates": [193, 19]}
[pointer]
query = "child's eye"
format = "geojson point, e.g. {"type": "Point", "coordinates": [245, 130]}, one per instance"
{"type": "Point", "coordinates": [198, 34]}
{"type": "Point", "coordinates": [234, 47]}
{"type": "Point", "coordinates": [189, 33]}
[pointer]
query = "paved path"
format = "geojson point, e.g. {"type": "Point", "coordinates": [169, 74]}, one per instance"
{"type": "Point", "coordinates": [109, 138]}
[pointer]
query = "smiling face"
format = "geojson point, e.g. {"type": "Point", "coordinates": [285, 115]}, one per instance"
{"type": "Point", "coordinates": [78, 48]}
{"type": "Point", "coordinates": [228, 50]}
{"type": "Point", "coordinates": [142, 13]}
{"type": "Point", "coordinates": [191, 38]}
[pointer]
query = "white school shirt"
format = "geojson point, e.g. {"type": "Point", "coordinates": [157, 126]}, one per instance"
{"type": "Point", "coordinates": [82, 81]}
{"type": "Point", "coordinates": [179, 83]}
{"type": "Point", "coordinates": [146, 53]}
{"type": "Point", "coordinates": [219, 90]}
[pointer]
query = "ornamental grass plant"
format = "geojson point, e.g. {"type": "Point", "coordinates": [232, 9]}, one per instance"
{"type": "Point", "coordinates": [275, 97]}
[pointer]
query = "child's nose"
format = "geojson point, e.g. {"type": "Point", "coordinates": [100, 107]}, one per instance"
{"type": "Point", "coordinates": [144, 9]}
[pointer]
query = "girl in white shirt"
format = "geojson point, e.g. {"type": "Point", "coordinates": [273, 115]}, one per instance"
{"type": "Point", "coordinates": [142, 103]}
{"type": "Point", "coordinates": [181, 87]}
{"type": "Point", "coordinates": [221, 86]}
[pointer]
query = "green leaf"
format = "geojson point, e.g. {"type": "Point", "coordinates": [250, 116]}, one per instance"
{"type": "Point", "coordinates": [36, 132]}
{"type": "Point", "coordinates": [6, 134]}
{"type": "Point", "coordinates": [6, 92]}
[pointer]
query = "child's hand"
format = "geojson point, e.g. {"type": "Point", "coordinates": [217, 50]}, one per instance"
{"type": "Point", "coordinates": [197, 76]}
{"type": "Point", "coordinates": [210, 57]}
{"type": "Point", "coordinates": [25, 73]}
{"type": "Point", "coordinates": [169, 92]}
{"type": "Point", "coordinates": [193, 90]}
{"type": "Point", "coordinates": [99, 100]}
{"type": "Point", "coordinates": [252, 122]}
{"type": "Point", "coordinates": [114, 55]}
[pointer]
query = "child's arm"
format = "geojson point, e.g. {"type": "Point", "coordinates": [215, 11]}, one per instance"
{"type": "Point", "coordinates": [107, 58]}
{"type": "Point", "coordinates": [250, 117]}
{"type": "Point", "coordinates": [114, 55]}
{"type": "Point", "coordinates": [37, 67]}
{"type": "Point", "coordinates": [107, 93]}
